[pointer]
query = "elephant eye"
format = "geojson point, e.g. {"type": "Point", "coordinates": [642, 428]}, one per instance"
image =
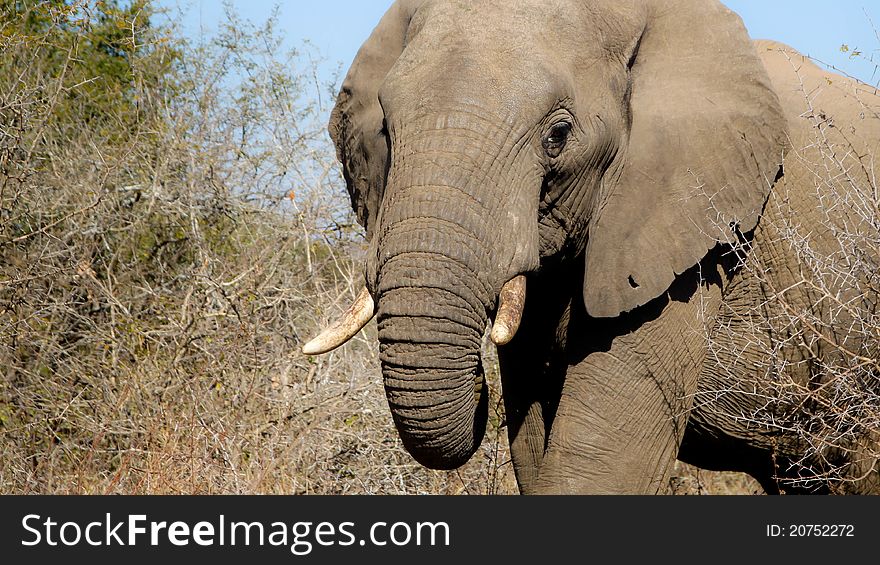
{"type": "Point", "coordinates": [556, 138]}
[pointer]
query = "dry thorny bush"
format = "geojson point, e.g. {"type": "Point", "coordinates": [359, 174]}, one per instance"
{"type": "Point", "coordinates": [161, 267]}
{"type": "Point", "coordinates": [813, 339]}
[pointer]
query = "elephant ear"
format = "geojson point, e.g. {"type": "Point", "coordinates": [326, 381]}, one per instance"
{"type": "Point", "coordinates": [705, 148]}
{"type": "Point", "coordinates": [357, 121]}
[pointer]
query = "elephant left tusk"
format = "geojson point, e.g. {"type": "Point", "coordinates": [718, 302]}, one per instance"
{"type": "Point", "coordinates": [345, 328]}
{"type": "Point", "coordinates": [510, 309]}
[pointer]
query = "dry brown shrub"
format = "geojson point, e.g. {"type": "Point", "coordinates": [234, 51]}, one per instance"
{"type": "Point", "coordinates": [156, 287]}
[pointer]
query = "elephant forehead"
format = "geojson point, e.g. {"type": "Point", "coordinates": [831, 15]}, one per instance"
{"type": "Point", "coordinates": [514, 24]}
{"type": "Point", "coordinates": [482, 24]}
{"type": "Point", "coordinates": [505, 51]}
{"type": "Point", "coordinates": [469, 81]}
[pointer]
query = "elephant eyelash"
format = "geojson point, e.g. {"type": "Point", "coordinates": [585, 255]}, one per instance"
{"type": "Point", "coordinates": [556, 138]}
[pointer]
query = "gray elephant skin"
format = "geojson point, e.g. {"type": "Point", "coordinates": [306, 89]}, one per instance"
{"type": "Point", "coordinates": [578, 172]}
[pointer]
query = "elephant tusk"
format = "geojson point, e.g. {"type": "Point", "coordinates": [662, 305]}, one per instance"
{"type": "Point", "coordinates": [345, 328]}
{"type": "Point", "coordinates": [510, 309]}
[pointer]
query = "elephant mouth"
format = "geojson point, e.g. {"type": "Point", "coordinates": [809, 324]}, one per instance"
{"type": "Point", "coordinates": [431, 366]}
{"type": "Point", "coordinates": [511, 301]}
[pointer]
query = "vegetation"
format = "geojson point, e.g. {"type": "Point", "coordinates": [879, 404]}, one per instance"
{"type": "Point", "coordinates": [172, 227]}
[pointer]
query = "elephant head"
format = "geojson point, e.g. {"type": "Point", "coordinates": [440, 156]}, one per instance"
{"type": "Point", "coordinates": [482, 141]}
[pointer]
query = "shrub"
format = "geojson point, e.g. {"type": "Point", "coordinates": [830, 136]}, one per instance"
{"type": "Point", "coordinates": [173, 228]}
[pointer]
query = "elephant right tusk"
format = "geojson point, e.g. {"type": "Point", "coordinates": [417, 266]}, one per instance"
{"type": "Point", "coordinates": [510, 308]}
{"type": "Point", "coordinates": [345, 328]}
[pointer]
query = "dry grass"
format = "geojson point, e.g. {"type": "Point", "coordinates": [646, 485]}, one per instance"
{"type": "Point", "coordinates": [688, 480]}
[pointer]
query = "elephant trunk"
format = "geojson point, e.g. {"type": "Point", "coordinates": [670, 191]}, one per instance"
{"type": "Point", "coordinates": [431, 363]}
{"type": "Point", "coordinates": [434, 294]}
{"type": "Point", "coordinates": [442, 259]}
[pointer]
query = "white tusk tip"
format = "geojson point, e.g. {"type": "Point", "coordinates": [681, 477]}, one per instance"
{"type": "Point", "coordinates": [312, 348]}
{"type": "Point", "coordinates": [352, 321]}
{"type": "Point", "coordinates": [501, 334]}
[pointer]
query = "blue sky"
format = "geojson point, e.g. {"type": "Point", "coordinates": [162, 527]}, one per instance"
{"type": "Point", "coordinates": [338, 27]}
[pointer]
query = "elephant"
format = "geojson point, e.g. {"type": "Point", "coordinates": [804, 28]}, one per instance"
{"type": "Point", "coordinates": [584, 177]}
